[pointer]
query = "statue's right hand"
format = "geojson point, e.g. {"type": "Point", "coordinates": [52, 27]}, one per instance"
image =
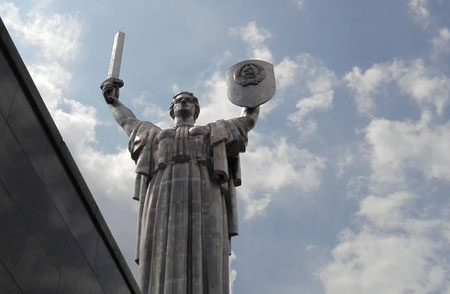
{"type": "Point", "coordinates": [110, 89]}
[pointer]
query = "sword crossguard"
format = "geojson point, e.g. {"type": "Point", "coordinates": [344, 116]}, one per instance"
{"type": "Point", "coordinates": [110, 89]}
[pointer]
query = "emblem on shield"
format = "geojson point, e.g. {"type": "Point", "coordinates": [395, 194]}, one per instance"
{"type": "Point", "coordinates": [249, 74]}
{"type": "Point", "coordinates": [250, 83]}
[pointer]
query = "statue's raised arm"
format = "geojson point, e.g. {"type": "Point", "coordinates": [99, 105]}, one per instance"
{"type": "Point", "coordinates": [123, 116]}
{"type": "Point", "coordinates": [110, 88]}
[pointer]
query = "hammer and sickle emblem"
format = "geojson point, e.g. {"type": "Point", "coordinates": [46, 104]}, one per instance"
{"type": "Point", "coordinates": [249, 74]}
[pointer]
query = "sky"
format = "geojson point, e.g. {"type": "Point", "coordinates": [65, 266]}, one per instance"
{"type": "Point", "coordinates": [346, 174]}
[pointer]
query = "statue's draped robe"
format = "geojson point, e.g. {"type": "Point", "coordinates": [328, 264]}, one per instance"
{"type": "Point", "coordinates": [185, 184]}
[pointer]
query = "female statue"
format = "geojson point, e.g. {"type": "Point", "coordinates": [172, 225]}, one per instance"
{"type": "Point", "coordinates": [185, 184]}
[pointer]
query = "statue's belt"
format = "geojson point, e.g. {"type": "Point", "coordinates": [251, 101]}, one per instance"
{"type": "Point", "coordinates": [176, 159]}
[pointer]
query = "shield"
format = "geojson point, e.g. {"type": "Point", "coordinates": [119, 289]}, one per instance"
{"type": "Point", "coordinates": [250, 83]}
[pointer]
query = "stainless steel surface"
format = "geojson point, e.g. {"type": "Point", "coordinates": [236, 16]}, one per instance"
{"type": "Point", "coordinates": [186, 179]}
{"type": "Point", "coordinates": [116, 55]}
{"type": "Point", "coordinates": [250, 83]}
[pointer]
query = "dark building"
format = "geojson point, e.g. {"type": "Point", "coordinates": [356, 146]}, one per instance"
{"type": "Point", "coordinates": [53, 238]}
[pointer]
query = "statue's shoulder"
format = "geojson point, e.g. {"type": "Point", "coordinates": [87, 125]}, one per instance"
{"type": "Point", "coordinates": [218, 131]}
{"type": "Point", "coordinates": [143, 136]}
{"type": "Point", "coordinates": [224, 124]}
{"type": "Point", "coordinates": [220, 123]}
{"type": "Point", "coordinates": [146, 127]}
{"type": "Point", "coordinates": [199, 130]}
{"type": "Point", "coordinates": [143, 132]}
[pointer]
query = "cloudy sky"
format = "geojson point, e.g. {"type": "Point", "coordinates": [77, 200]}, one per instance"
{"type": "Point", "coordinates": [347, 173]}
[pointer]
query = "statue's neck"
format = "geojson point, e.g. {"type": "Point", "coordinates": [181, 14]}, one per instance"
{"type": "Point", "coordinates": [184, 121]}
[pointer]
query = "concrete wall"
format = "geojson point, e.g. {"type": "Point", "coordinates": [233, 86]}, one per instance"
{"type": "Point", "coordinates": [53, 239]}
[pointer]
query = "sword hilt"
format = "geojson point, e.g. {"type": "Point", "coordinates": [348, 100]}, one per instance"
{"type": "Point", "coordinates": [110, 99]}
{"type": "Point", "coordinates": [110, 89]}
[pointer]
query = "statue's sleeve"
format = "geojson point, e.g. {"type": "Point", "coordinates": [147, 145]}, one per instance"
{"type": "Point", "coordinates": [142, 145]}
{"type": "Point", "coordinates": [228, 139]}
{"type": "Point", "coordinates": [237, 129]}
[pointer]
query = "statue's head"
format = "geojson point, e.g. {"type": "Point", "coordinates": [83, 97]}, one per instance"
{"type": "Point", "coordinates": [184, 103]}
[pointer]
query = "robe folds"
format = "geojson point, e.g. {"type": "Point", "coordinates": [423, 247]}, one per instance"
{"type": "Point", "coordinates": [185, 184]}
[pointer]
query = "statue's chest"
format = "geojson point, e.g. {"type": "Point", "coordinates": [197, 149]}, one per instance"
{"type": "Point", "coordinates": [183, 144]}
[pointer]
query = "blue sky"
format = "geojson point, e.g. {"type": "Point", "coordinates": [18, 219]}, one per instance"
{"type": "Point", "coordinates": [346, 176]}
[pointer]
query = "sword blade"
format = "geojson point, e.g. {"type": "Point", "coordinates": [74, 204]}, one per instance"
{"type": "Point", "coordinates": [116, 55]}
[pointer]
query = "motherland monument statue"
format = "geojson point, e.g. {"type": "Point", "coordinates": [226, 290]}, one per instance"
{"type": "Point", "coordinates": [186, 179]}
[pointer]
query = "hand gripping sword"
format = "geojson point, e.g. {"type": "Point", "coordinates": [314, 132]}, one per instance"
{"type": "Point", "coordinates": [114, 65]}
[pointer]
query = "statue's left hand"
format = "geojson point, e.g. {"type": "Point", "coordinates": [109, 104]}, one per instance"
{"type": "Point", "coordinates": [251, 113]}
{"type": "Point", "coordinates": [110, 89]}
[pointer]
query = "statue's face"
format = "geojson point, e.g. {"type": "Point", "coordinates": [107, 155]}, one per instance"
{"type": "Point", "coordinates": [184, 106]}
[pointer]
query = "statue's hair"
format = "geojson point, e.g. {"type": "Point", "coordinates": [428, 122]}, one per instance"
{"type": "Point", "coordinates": [197, 105]}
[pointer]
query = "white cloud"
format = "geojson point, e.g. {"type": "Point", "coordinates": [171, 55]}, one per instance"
{"type": "Point", "coordinates": [77, 124]}
{"type": "Point", "coordinates": [255, 37]}
{"type": "Point", "coordinates": [365, 85]}
{"type": "Point", "coordinates": [424, 85]}
{"type": "Point", "coordinates": [215, 104]}
{"type": "Point", "coordinates": [357, 185]}
{"type": "Point", "coordinates": [344, 162]}
{"type": "Point", "coordinates": [267, 169]}
{"type": "Point", "coordinates": [385, 212]}
{"type": "Point", "coordinates": [109, 175]}
{"type": "Point", "coordinates": [50, 79]}
{"type": "Point", "coordinates": [320, 100]}
{"type": "Point", "coordinates": [396, 147]}
{"type": "Point", "coordinates": [282, 164]}
{"type": "Point", "coordinates": [252, 34]}
{"type": "Point", "coordinates": [420, 12]}
{"type": "Point", "coordinates": [255, 204]}
{"type": "Point", "coordinates": [392, 253]}
{"type": "Point", "coordinates": [152, 112]}
{"type": "Point", "coordinates": [286, 73]}
{"type": "Point", "coordinates": [315, 79]}
{"type": "Point", "coordinates": [400, 246]}
{"type": "Point", "coordinates": [299, 4]}
{"type": "Point", "coordinates": [175, 89]}
{"type": "Point", "coordinates": [56, 36]}
{"type": "Point", "coordinates": [233, 272]}
{"type": "Point", "coordinates": [39, 4]}
{"type": "Point", "coordinates": [441, 44]}
{"type": "Point", "coordinates": [367, 263]}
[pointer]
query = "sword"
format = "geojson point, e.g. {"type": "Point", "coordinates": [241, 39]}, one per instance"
{"type": "Point", "coordinates": [114, 65]}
